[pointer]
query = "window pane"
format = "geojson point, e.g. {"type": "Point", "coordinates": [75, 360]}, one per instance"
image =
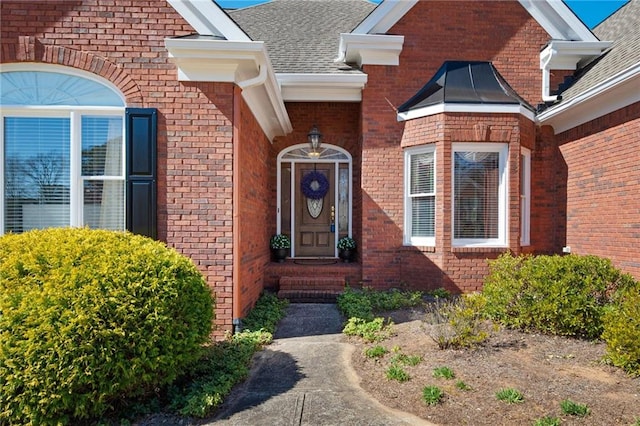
{"type": "Point", "coordinates": [104, 204]}
{"type": "Point", "coordinates": [52, 88]}
{"type": "Point", "coordinates": [422, 173]}
{"type": "Point", "coordinates": [101, 146]}
{"type": "Point", "coordinates": [422, 216]}
{"type": "Point", "coordinates": [36, 173]}
{"type": "Point", "coordinates": [476, 196]}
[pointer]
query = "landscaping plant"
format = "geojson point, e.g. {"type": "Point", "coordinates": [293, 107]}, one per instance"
{"type": "Point", "coordinates": [510, 396]}
{"type": "Point", "coordinates": [459, 322]}
{"type": "Point", "coordinates": [622, 330]}
{"type": "Point", "coordinates": [574, 409]}
{"type": "Point", "coordinates": [443, 372]}
{"type": "Point", "coordinates": [432, 395]}
{"type": "Point", "coordinates": [90, 317]}
{"type": "Point", "coordinates": [547, 421]}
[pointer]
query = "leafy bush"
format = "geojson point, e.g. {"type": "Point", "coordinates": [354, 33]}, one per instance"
{"type": "Point", "coordinates": [372, 331]}
{"type": "Point", "coordinates": [574, 409]}
{"type": "Point", "coordinates": [564, 295]}
{"type": "Point", "coordinates": [460, 322]}
{"type": "Point", "coordinates": [88, 317]}
{"type": "Point", "coordinates": [432, 395]}
{"type": "Point", "coordinates": [622, 330]}
{"type": "Point", "coordinates": [354, 304]}
{"type": "Point", "coordinates": [363, 303]}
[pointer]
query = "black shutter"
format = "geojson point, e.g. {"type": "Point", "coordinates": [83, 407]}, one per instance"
{"type": "Point", "coordinates": [141, 134]}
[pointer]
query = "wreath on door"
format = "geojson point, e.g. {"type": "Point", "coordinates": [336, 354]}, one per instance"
{"type": "Point", "coordinates": [314, 185]}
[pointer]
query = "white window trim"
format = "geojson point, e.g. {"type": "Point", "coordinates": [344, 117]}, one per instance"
{"type": "Point", "coordinates": [503, 195]}
{"type": "Point", "coordinates": [525, 199]}
{"type": "Point", "coordinates": [409, 240]}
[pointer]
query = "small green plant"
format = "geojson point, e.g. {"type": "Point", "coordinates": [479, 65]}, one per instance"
{"type": "Point", "coordinates": [444, 373]}
{"type": "Point", "coordinates": [432, 395]}
{"type": "Point", "coordinates": [547, 421]}
{"type": "Point", "coordinates": [459, 323]}
{"type": "Point", "coordinates": [637, 422]}
{"type": "Point", "coordinates": [440, 293]}
{"type": "Point", "coordinates": [463, 386]}
{"type": "Point", "coordinates": [376, 352]}
{"type": "Point", "coordinates": [395, 372]}
{"type": "Point", "coordinates": [410, 360]}
{"type": "Point", "coordinates": [510, 396]}
{"type": "Point", "coordinates": [371, 331]}
{"type": "Point", "coordinates": [280, 241]}
{"type": "Point", "coordinates": [574, 409]}
{"type": "Point", "coordinates": [346, 243]}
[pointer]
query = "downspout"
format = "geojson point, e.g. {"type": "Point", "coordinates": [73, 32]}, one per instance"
{"type": "Point", "coordinates": [261, 78]}
{"type": "Point", "coordinates": [546, 77]}
{"type": "Point", "coordinates": [235, 278]}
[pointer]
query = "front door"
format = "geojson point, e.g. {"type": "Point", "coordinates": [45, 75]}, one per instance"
{"type": "Point", "coordinates": [315, 217]}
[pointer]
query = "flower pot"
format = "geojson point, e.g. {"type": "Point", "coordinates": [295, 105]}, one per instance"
{"type": "Point", "coordinates": [346, 255]}
{"type": "Point", "coordinates": [279, 255]}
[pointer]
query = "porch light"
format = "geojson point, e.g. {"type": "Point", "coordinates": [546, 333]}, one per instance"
{"type": "Point", "coordinates": [314, 137]}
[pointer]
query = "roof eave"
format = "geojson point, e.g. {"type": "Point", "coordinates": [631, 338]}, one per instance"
{"type": "Point", "coordinates": [207, 18]}
{"type": "Point", "coordinates": [244, 63]}
{"type": "Point", "coordinates": [299, 87]}
{"type": "Point", "coordinates": [370, 49]}
{"type": "Point", "coordinates": [558, 20]}
{"type": "Point", "coordinates": [469, 108]}
{"type": "Point", "coordinates": [612, 94]}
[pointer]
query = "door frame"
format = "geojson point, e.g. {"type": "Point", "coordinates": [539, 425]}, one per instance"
{"type": "Point", "coordinates": [300, 153]}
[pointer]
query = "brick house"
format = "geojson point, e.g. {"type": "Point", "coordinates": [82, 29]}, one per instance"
{"type": "Point", "coordinates": [451, 132]}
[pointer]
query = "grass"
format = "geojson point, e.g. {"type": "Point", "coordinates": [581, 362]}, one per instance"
{"type": "Point", "coordinates": [510, 396]}
{"type": "Point", "coordinates": [574, 409]}
{"type": "Point", "coordinates": [547, 421]}
{"type": "Point", "coordinates": [463, 386]}
{"type": "Point", "coordinates": [432, 395]}
{"type": "Point", "coordinates": [376, 352]}
{"type": "Point", "coordinates": [444, 373]}
{"type": "Point", "coordinates": [396, 372]}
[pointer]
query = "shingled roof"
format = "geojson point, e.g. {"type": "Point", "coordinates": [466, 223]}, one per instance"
{"type": "Point", "coordinates": [302, 36]}
{"type": "Point", "coordinates": [623, 28]}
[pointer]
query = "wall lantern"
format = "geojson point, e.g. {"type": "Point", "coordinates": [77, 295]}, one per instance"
{"type": "Point", "coordinates": [314, 137]}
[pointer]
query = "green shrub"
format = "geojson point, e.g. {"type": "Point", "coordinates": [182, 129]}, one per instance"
{"type": "Point", "coordinates": [510, 396]}
{"type": "Point", "coordinates": [396, 372]}
{"type": "Point", "coordinates": [574, 409]}
{"type": "Point", "coordinates": [371, 331]}
{"type": "Point", "coordinates": [355, 304]}
{"type": "Point", "coordinates": [266, 314]}
{"type": "Point", "coordinates": [89, 317]}
{"type": "Point", "coordinates": [432, 395]}
{"type": "Point", "coordinates": [363, 303]}
{"type": "Point", "coordinates": [459, 322]}
{"type": "Point", "coordinates": [622, 330]}
{"type": "Point", "coordinates": [564, 295]}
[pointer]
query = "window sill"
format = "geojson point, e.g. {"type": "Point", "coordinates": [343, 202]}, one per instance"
{"type": "Point", "coordinates": [423, 249]}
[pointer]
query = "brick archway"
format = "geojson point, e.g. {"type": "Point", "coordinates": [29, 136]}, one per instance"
{"type": "Point", "coordinates": [29, 49]}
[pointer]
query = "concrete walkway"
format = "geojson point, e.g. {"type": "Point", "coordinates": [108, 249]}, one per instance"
{"type": "Point", "coordinates": [304, 378]}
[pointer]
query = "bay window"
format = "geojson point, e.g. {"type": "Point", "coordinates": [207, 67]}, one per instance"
{"type": "Point", "coordinates": [420, 196]}
{"type": "Point", "coordinates": [479, 194]}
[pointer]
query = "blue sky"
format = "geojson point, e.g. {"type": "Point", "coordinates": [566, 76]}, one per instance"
{"type": "Point", "coordinates": [592, 12]}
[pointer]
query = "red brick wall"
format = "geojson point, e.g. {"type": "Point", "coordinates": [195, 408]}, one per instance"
{"type": "Point", "coordinates": [602, 201]}
{"type": "Point", "coordinates": [501, 32]}
{"type": "Point", "coordinates": [456, 268]}
{"type": "Point", "coordinates": [123, 42]}
{"type": "Point", "coordinates": [254, 207]}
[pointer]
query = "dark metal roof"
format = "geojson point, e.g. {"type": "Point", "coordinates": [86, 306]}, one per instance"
{"type": "Point", "coordinates": [465, 82]}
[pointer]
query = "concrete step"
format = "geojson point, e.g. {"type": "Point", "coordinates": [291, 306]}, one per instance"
{"type": "Point", "coordinates": [301, 289]}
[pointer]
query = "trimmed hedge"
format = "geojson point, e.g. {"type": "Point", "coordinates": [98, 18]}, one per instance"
{"type": "Point", "coordinates": [88, 317]}
{"type": "Point", "coordinates": [564, 295]}
{"type": "Point", "coordinates": [622, 330]}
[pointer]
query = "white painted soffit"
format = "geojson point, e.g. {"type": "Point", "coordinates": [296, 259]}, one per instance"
{"type": "Point", "coordinates": [321, 87]}
{"type": "Point", "coordinates": [558, 20]}
{"type": "Point", "coordinates": [370, 49]}
{"type": "Point", "coordinates": [383, 17]}
{"type": "Point", "coordinates": [466, 108]}
{"type": "Point", "coordinates": [612, 94]}
{"type": "Point", "coordinates": [207, 18]}
{"type": "Point", "coordinates": [245, 63]}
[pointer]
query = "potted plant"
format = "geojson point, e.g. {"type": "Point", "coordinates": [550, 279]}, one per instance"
{"type": "Point", "coordinates": [280, 245]}
{"type": "Point", "coordinates": [346, 249]}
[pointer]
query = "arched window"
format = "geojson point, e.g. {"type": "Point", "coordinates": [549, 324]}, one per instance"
{"type": "Point", "coordinates": [61, 150]}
